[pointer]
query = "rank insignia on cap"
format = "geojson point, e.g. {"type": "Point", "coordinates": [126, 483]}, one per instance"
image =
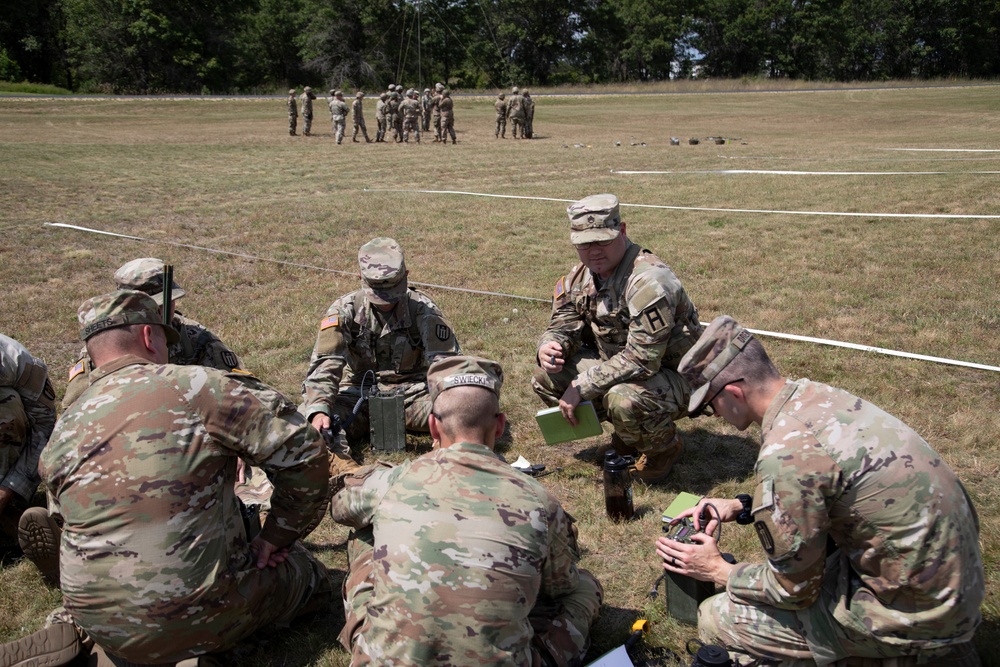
{"type": "Point", "coordinates": [331, 321]}
{"type": "Point", "coordinates": [560, 288]}
{"type": "Point", "coordinates": [76, 370]}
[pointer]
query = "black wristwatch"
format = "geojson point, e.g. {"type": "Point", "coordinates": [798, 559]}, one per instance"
{"type": "Point", "coordinates": [745, 517]}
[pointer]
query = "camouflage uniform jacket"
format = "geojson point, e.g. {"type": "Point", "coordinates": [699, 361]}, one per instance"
{"type": "Point", "coordinates": [425, 103]}
{"type": "Point", "coordinates": [307, 104]}
{"type": "Point", "coordinates": [197, 347]}
{"type": "Point", "coordinates": [464, 547]}
{"type": "Point", "coordinates": [338, 109]}
{"type": "Point", "coordinates": [29, 377]}
{"type": "Point", "coordinates": [834, 465]}
{"type": "Point", "coordinates": [436, 105]}
{"type": "Point", "coordinates": [411, 110]}
{"type": "Point", "coordinates": [446, 105]}
{"type": "Point", "coordinates": [515, 106]}
{"type": "Point", "coordinates": [293, 108]}
{"type": "Point", "coordinates": [351, 341]}
{"type": "Point", "coordinates": [529, 107]}
{"type": "Point", "coordinates": [391, 106]}
{"type": "Point", "coordinates": [501, 107]}
{"type": "Point", "coordinates": [356, 107]}
{"type": "Point", "coordinates": [142, 469]}
{"type": "Point", "coordinates": [380, 109]}
{"type": "Point", "coordinates": [640, 319]}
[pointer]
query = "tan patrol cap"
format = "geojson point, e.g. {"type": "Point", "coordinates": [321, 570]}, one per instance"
{"type": "Point", "coordinates": [307, 89]}
{"type": "Point", "coordinates": [452, 372]}
{"type": "Point", "coordinates": [146, 275]}
{"type": "Point", "coordinates": [291, 91]}
{"type": "Point", "coordinates": [120, 309]}
{"type": "Point", "coordinates": [721, 342]}
{"type": "Point", "coordinates": [594, 218]}
{"type": "Point", "coordinates": [383, 271]}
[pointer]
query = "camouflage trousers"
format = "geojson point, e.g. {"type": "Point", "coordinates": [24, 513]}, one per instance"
{"type": "Point", "coordinates": [293, 123]}
{"type": "Point", "coordinates": [501, 130]}
{"type": "Point", "coordinates": [338, 127]}
{"type": "Point", "coordinates": [642, 412]}
{"type": "Point", "coordinates": [359, 125]}
{"type": "Point", "coordinates": [436, 122]}
{"type": "Point", "coordinates": [561, 631]}
{"type": "Point", "coordinates": [307, 123]}
{"type": "Point", "coordinates": [426, 120]}
{"type": "Point", "coordinates": [257, 602]}
{"type": "Point", "coordinates": [806, 637]}
{"type": "Point", "coordinates": [379, 128]}
{"type": "Point", "coordinates": [411, 125]}
{"type": "Point", "coordinates": [14, 434]}
{"type": "Point", "coordinates": [416, 408]}
{"type": "Point", "coordinates": [517, 127]}
{"type": "Point", "coordinates": [447, 128]}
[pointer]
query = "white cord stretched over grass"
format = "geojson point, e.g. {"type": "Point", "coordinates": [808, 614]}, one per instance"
{"type": "Point", "coordinates": [944, 150]}
{"type": "Point", "coordinates": [775, 172]}
{"type": "Point", "coordinates": [938, 216]}
{"type": "Point", "coordinates": [807, 339]}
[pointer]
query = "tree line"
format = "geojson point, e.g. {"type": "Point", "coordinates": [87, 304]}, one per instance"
{"type": "Point", "coordinates": [246, 46]}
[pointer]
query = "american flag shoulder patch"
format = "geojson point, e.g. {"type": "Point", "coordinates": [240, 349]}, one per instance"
{"type": "Point", "coordinates": [560, 288]}
{"type": "Point", "coordinates": [76, 370]}
{"type": "Point", "coordinates": [330, 321]}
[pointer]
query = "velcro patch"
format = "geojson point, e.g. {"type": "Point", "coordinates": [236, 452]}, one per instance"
{"type": "Point", "coordinates": [764, 535]}
{"type": "Point", "coordinates": [653, 319]}
{"type": "Point", "coordinates": [230, 360]}
{"type": "Point", "coordinates": [560, 289]}
{"type": "Point", "coordinates": [76, 370]}
{"type": "Point", "coordinates": [331, 321]}
{"type": "Point", "coordinates": [442, 331]}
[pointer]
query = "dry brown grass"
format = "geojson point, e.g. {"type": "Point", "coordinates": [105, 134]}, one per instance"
{"type": "Point", "coordinates": [225, 175]}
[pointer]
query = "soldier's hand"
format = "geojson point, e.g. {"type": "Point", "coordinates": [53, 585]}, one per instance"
{"type": "Point", "coordinates": [267, 554]}
{"type": "Point", "coordinates": [567, 404]}
{"type": "Point", "coordinates": [550, 356]}
{"type": "Point", "coordinates": [320, 421]}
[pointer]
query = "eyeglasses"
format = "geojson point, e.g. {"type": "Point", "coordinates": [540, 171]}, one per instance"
{"type": "Point", "coordinates": [600, 244]}
{"type": "Point", "coordinates": [706, 408]}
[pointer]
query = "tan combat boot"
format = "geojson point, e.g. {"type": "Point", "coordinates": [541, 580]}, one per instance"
{"type": "Point", "coordinates": [55, 645]}
{"type": "Point", "coordinates": [38, 534]}
{"type": "Point", "coordinates": [655, 468]}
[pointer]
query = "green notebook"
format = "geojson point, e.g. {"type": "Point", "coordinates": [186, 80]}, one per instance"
{"type": "Point", "coordinates": [683, 501]}
{"type": "Point", "coordinates": [556, 429]}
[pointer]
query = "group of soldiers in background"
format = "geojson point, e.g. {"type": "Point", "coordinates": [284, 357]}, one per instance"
{"type": "Point", "coordinates": [397, 112]}
{"type": "Point", "coordinates": [520, 109]}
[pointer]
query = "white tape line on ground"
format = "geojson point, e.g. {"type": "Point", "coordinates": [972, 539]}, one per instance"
{"type": "Point", "coordinates": [796, 337]}
{"type": "Point", "coordinates": [933, 216]}
{"type": "Point", "coordinates": [944, 150]}
{"type": "Point", "coordinates": [776, 172]}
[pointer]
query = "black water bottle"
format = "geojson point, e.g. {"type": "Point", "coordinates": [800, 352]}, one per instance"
{"type": "Point", "coordinates": [618, 486]}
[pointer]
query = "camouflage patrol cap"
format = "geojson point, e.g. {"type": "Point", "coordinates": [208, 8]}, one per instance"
{"type": "Point", "coordinates": [291, 91]}
{"type": "Point", "coordinates": [446, 93]}
{"type": "Point", "coordinates": [594, 218]}
{"type": "Point", "coordinates": [452, 372]}
{"type": "Point", "coordinates": [427, 90]}
{"type": "Point", "coordinates": [120, 309]}
{"type": "Point", "coordinates": [501, 96]}
{"type": "Point", "coordinates": [399, 87]}
{"type": "Point", "coordinates": [383, 271]}
{"type": "Point", "coordinates": [333, 92]}
{"type": "Point", "coordinates": [307, 89]}
{"type": "Point", "coordinates": [439, 87]}
{"type": "Point", "coordinates": [146, 275]}
{"type": "Point", "coordinates": [338, 93]}
{"type": "Point", "coordinates": [721, 342]}
{"type": "Point", "coordinates": [514, 90]}
{"type": "Point", "coordinates": [383, 96]}
{"type": "Point", "coordinates": [526, 93]}
{"type": "Point", "coordinates": [359, 94]}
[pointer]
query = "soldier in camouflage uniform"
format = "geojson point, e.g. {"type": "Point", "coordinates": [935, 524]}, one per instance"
{"type": "Point", "coordinates": [293, 113]}
{"type": "Point", "coordinates": [156, 564]}
{"type": "Point", "coordinates": [621, 321]}
{"type": "Point", "coordinates": [436, 111]}
{"type": "Point", "coordinates": [515, 111]}
{"type": "Point", "coordinates": [501, 107]}
{"type": "Point", "coordinates": [384, 328]}
{"type": "Point", "coordinates": [397, 119]}
{"type": "Point", "coordinates": [197, 345]}
{"type": "Point", "coordinates": [425, 106]}
{"type": "Point", "coordinates": [27, 415]}
{"type": "Point", "coordinates": [380, 109]}
{"type": "Point", "coordinates": [357, 113]}
{"type": "Point", "coordinates": [412, 116]}
{"type": "Point", "coordinates": [338, 114]}
{"type": "Point", "coordinates": [306, 99]}
{"type": "Point", "coordinates": [447, 107]}
{"type": "Point", "coordinates": [390, 116]}
{"type": "Point", "coordinates": [904, 575]}
{"type": "Point", "coordinates": [529, 115]}
{"type": "Point", "coordinates": [422, 590]}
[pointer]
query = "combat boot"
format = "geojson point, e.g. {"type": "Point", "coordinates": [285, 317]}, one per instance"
{"type": "Point", "coordinates": [618, 446]}
{"type": "Point", "coordinates": [38, 534]}
{"type": "Point", "coordinates": [55, 645]}
{"type": "Point", "coordinates": [654, 468]}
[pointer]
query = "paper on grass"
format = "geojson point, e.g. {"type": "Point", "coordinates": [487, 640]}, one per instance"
{"type": "Point", "coordinates": [616, 658]}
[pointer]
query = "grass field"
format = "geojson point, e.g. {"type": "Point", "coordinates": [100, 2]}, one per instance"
{"type": "Point", "coordinates": [225, 175]}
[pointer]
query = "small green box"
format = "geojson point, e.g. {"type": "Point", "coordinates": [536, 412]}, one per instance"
{"type": "Point", "coordinates": [684, 594]}
{"type": "Point", "coordinates": [387, 422]}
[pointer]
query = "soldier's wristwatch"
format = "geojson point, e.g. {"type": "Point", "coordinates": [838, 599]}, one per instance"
{"type": "Point", "coordinates": [745, 517]}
